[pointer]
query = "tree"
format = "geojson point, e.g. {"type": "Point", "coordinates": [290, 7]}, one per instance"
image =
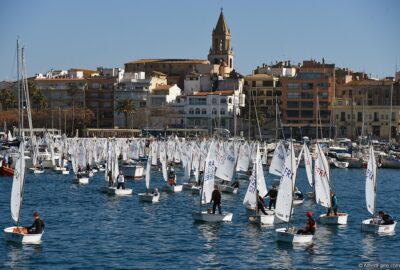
{"type": "Point", "coordinates": [38, 99]}
{"type": "Point", "coordinates": [127, 107]}
{"type": "Point", "coordinates": [7, 99]}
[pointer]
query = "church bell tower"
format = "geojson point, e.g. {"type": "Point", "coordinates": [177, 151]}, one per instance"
{"type": "Point", "coordinates": [221, 52]}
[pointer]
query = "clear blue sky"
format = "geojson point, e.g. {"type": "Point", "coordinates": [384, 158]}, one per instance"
{"type": "Point", "coordinates": [363, 35]}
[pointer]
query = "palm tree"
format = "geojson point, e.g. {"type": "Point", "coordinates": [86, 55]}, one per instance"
{"type": "Point", "coordinates": [38, 98]}
{"type": "Point", "coordinates": [7, 99]}
{"type": "Point", "coordinates": [127, 107]}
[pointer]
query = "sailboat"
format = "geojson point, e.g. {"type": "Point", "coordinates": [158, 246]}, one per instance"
{"type": "Point", "coordinates": [226, 169]}
{"type": "Point", "coordinates": [207, 189]}
{"type": "Point", "coordinates": [322, 184]}
{"type": "Point", "coordinates": [372, 224]}
{"type": "Point", "coordinates": [149, 196]}
{"type": "Point", "coordinates": [284, 203]}
{"type": "Point", "coordinates": [17, 233]}
{"type": "Point", "coordinates": [308, 165]}
{"type": "Point", "coordinates": [257, 183]}
{"type": "Point", "coordinates": [114, 166]}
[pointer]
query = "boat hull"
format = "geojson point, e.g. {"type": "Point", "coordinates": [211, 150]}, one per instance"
{"type": "Point", "coordinates": [188, 186]}
{"type": "Point", "coordinates": [262, 219]}
{"type": "Point", "coordinates": [149, 197]}
{"type": "Point", "coordinates": [289, 237]}
{"type": "Point", "coordinates": [173, 189]}
{"type": "Point", "coordinates": [228, 189]}
{"type": "Point", "coordinates": [119, 192]}
{"type": "Point", "coordinates": [298, 202]}
{"type": "Point", "coordinates": [6, 171]}
{"type": "Point", "coordinates": [340, 219]}
{"type": "Point", "coordinates": [12, 236]}
{"type": "Point", "coordinates": [368, 225]}
{"type": "Point", "coordinates": [82, 180]}
{"type": "Point", "coordinates": [204, 216]}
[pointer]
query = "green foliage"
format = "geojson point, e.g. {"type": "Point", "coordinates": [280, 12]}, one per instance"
{"type": "Point", "coordinates": [127, 107]}
{"type": "Point", "coordinates": [7, 99]}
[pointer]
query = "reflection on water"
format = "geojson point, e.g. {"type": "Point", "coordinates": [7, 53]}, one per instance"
{"type": "Point", "coordinates": [18, 255]}
{"type": "Point", "coordinates": [368, 246]}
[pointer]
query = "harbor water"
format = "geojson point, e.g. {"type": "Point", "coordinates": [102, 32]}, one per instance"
{"type": "Point", "coordinates": [87, 229]}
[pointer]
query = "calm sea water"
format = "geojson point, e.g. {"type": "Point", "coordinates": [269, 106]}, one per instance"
{"type": "Point", "coordinates": [86, 229]}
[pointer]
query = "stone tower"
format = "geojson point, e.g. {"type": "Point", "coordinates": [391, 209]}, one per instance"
{"type": "Point", "coordinates": [221, 52]}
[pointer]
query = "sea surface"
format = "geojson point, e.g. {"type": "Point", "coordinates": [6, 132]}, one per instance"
{"type": "Point", "coordinates": [87, 229]}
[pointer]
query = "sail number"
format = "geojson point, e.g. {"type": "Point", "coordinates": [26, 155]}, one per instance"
{"type": "Point", "coordinates": [288, 172]}
{"type": "Point", "coordinates": [370, 174]}
{"type": "Point", "coordinates": [320, 172]}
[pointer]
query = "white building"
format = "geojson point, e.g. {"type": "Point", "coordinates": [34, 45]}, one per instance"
{"type": "Point", "coordinates": [213, 110]}
{"type": "Point", "coordinates": [195, 82]}
{"type": "Point", "coordinates": [164, 94]}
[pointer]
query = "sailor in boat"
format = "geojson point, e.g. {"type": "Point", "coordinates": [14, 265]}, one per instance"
{"type": "Point", "coordinates": [333, 205]}
{"type": "Point", "coordinates": [311, 225]}
{"type": "Point", "coordinates": [155, 192]}
{"type": "Point", "coordinates": [110, 179]}
{"type": "Point", "coordinates": [171, 177]}
{"type": "Point", "coordinates": [273, 194]}
{"type": "Point", "coordinates": [261, 204]}
{"type": "Point", "coordinates": [88, 169]}
{"type": "Point", "coordinates": [120, 180]}
{"type": "Point", "coordinates": [216, 199]}
{"type": "Point", "coordinates": [79, 174]}
{"type": "Point", "coordinates": [298, 195]}
{"type": "Point", "coordinates": [37, 226]}
{"type": "Point", "coordinates": [385, 218]}
{"type": "Point", "coordinates": [235, 184]}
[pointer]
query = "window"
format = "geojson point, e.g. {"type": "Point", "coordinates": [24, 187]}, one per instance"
{"type": "Point", "coordinates": [214, 111]}
{"type": "Point", "coordinates": [359, 116]}
{"type": "Point", "coordinates": [197, 111]}
{"type": "Point", "coordinates": [203, 111]}
{"type": "Point", "coordinates": [222, 111]}
{"type": "Point", "coordinates": [253, 83]}
{"type": "Point", "coordinates": [307, 114]}
{"type": "Point", "coordinates": [291, 113]}
{"type": "Point", "coordinates": [223, 101]}
{"type": "Point", "coordinates": [269, 93]}
{"type": "Point", "coordinates": [214, 101]}
{"type": "Point", "coordinates": [267, 83]}
{"type": "Point", "coordinates": [342, 116]}
{"type": "Point", "coordinates": [307, 104]}
{"type": "Point", "coordinates": [292, 104]}
{"type": "Point", "coordinates": [293, 95]}
{"type": "Point", "coordinates": [230, 100]}
{"type": "Point", "coordinates": [293, 85]}
{"type": "Point", "coordinates": [307, 86]}
{"type": "Point", "coordinates": [191, 111]}
{"type": "Point", "coordinates": [376, 116]}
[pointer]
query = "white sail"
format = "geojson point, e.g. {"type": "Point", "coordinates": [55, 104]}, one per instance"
{"type": "Point", "coordinates": [321, 179]}
{"type": "Point", "coordinates": [308, 164]}
{"type": "Point", "coordinates": [244, 158]}
{"type": "Point", "coordinates": [250, 197]}
{"type": "Point", "coordinates": [18, 184]}
{"type": "Point", "coordinates": [278, 160]}
{"type": "Point", "coordinates": [285, 192]}
{"type": "Point", "coordinates": [370, 182]}
{"type": "Point", "coordinates": [227, 164]}
{"type": "Point", "coordinates": [163, 160]}
{"type": "Point", "coordinates": [257, 182]}
{"type": "Point", "coordinates": [148, 170]}
{"type": "Point", "coordinates": [209, 173]}
{"type": "Point", "coordinates": [153, 153]}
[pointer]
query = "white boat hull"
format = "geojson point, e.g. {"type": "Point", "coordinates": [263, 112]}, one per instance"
{"type": "Point", "coordinates": [177, 188]}
{"type": "Point", "coordinates": [228, 189]}
{"type": "Point", "coordinates": [196, 190]}
{"type": "Point", "coordinates": [64, 172]}
{"type": "Point", "coordinates": [82, 180]}
{"type": "Point", "coordinates": [119, 192]}
{"type": "Point", "coordinates": [133, 171]}
{"type": "Point", "coordinates": [340, 219]}
{"type": "Point", "coordinates": [341, 164]}
{"type": "Point", "coordinates": [206, 217]}
{"type": "Point", "coordinates": [188, 186]}
{"type": "Point", "coordinates": [149, 197]}
{"type": "Point", "coordinates": [298, 202]}
{"type": "Point", "coordinates": [11, 236]}
{"type": "Point", "coordinates": [262, 219]}
{"type": "Point", "coordinates": [369, 226]}
{"type": "Point", "coordinates": [36, 171]}
{"type": "Point", "coordinates": [289, 237]}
